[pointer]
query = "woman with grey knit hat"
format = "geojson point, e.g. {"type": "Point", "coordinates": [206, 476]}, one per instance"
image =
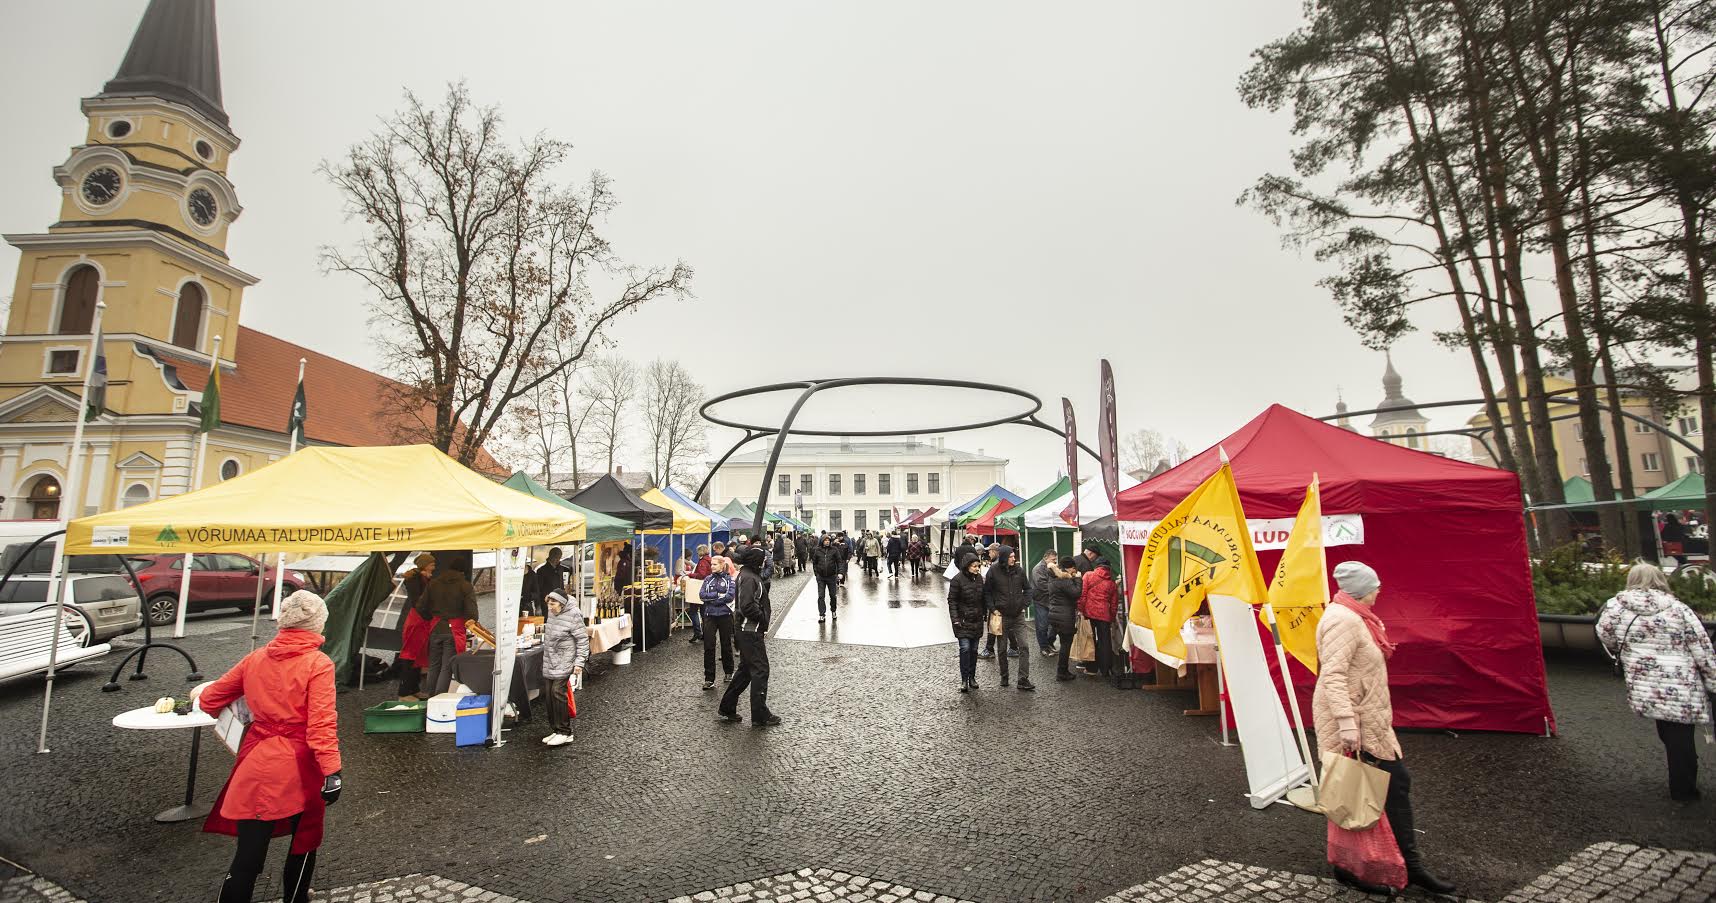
{"type": "Point", "coordinates": [1353, 713]}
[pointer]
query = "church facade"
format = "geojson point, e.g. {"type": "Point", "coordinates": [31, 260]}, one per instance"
{"type": "Point", "coordinates": [146, 205]}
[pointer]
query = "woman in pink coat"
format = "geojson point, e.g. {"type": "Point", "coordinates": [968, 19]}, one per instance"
{"type": "Point", "coordinates": [1353, 713]}
{"type": "Point", "coordinates": [288, 767]}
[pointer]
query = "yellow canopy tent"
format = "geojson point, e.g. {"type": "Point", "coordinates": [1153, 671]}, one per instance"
{"type": "Point", "coordinates": [685, 520]}
{"type": "Point", "coordinates": [322, 499]}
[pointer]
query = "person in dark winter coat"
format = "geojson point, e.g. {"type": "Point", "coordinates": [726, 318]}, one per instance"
{"type": "Point", "coordinates": [1098, 603]}
{"type": "Point", "coordinates": [719, 592]}
{"type": "Point", "coordinates": [550, 578]}
{"type": "Point", "coordinates": [968, 547]}
{"type": "Point", "coordinates": [1039, 578]}
{"type": "Point", "coordinates": [896, 552]}
{"type": "Point", "coordinates": [753, 623]}
{"type": "Point", "coordinates": [826, 563]}
{"type": "Point", "coordinates": [780, 551]}
{"type": "Point", "coordinates": [1007, 591]}
{"type": "Point", "coordinates": [565, 649]}
{"type": "Point", "coordinates": [1060, 590]}
{"type": "Point", "coordinates": [965, 606]}
{"type": "Point", "coordinates": [414, 635]}
{"type": "Point", "coordinates": [995, 552]}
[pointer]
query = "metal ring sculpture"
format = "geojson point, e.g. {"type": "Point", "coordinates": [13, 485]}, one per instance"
{"type": "Point", "coordinates": [808, 388]}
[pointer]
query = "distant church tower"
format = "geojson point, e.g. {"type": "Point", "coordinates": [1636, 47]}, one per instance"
{"type": "Point", "coordinates": [144, 212]}
{"type": "Point", "coordinates": [1343, 421]}
{"type": "Point", "coordinates": [1399, 420]}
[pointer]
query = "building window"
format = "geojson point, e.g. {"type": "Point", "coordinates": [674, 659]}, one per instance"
{"type": "Point", "coordinates": [62, 362]}
{"type": "Point", "coordinates": [806, 484]}
{"type": "Point", "coordinates": [911, 484]}
{"type": "Point", "coordinates": [834, 484]}
{"type": "Point", "coordinates": [935, 484]}
{"type": "Point", "coordinates": [135, 494]}
{"type": "Point", "coordinates": [833, 519]}
{"type": "Point", "coordinates": [858, 519]}
{"type": "Point", "coordinates": [1688, 425]}
{"type": "Point", "coordinates": [77, 306]}
{"type": "Point", "coordinates": [188, 316]}
{"type": "Point", "coordinates": [883, 518]}
{"type": "Point", "coordinates": [884, 483]}
{"type": "Point", "coordinates": [44, 498]}
{"type": "Point", "coordinates": [1694, 465]}
{"type": "Point", "coordinates": [786, 484]}
{"type": "Point", "coordinates": [229, 469]}
{"type": "Point", "coordinates": [1641, 427]}
{"type": "Point", "coordinates": [1652, 462]}
{"type": "Point", "coordinates": [857, 484]}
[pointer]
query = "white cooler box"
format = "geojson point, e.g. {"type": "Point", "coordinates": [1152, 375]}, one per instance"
{"type": "Point", "coordinates": [443, 713]}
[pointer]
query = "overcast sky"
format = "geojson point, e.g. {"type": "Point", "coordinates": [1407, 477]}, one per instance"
{"type": "Point", "coordinates": [1001, 192]}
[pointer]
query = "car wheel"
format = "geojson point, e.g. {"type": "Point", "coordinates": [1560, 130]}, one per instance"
{"type": "Point", "coordinates": [163, 609]}
{"type": "Point", "coordinates": [77, 624]}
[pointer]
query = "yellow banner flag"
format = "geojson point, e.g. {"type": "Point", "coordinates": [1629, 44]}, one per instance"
{"type": "Point", "coordinates": [1301, 585]}
{"type": "Point", "coordinates": [1203, 546]}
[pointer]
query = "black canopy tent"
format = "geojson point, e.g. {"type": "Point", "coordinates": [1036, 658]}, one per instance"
{"type": "Point", "coordinates": [651, 621]}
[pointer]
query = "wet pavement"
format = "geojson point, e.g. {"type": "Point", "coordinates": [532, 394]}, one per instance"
{"type": "Point", "coordinates": [874, 611]}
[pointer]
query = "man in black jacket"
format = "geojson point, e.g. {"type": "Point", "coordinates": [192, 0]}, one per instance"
{"type": "Point", "coordinates": [1005, 590]}
{"type": "Point", "coordinates": [752, 620]}
{"type": "Point", "coordinates": [826, 562]}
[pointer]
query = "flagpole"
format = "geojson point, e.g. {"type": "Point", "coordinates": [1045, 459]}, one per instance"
{"type": "Point", "coordinates": [196, 483]}
{"type": "Point", "coordinates": [1292, 696]}
{"type": "Point", "coordinates": [280, 557]}
{"type": "Point", "coordinates": [71, 496]}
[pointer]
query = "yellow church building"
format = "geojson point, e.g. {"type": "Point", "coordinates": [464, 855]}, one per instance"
{"type": "Point", "coordinates": [145, 211]}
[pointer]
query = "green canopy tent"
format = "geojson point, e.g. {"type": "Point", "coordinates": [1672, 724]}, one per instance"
{"type": "Point", "coordinates": [598, 527]}
{"type": "Point", "coordinates": [1577, 491]}
{"type": "Point", "coordinates": [1686, 493]}
{"type": "Point", "coordinates": [1034, 541]}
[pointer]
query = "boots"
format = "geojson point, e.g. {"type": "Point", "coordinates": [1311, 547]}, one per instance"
{"type": "Point", "coordinates": [1364, 887]}
{"type": "Point", "coordinates": [1416, 875]}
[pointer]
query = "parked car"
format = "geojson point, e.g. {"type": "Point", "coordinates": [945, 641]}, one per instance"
{"type": "Point", "coordinates": [103, 605]}
{"type": "Point", "coordinates": [218, 580]}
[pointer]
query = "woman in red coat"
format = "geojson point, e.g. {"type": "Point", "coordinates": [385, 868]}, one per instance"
{"type": "Point", "coordinates": [288, 767]}
{"type": "Point", "coordinates": [1098, 604]}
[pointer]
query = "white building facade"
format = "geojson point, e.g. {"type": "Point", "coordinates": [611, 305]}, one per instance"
{"type": "Point", "coordinates": [855, 485]}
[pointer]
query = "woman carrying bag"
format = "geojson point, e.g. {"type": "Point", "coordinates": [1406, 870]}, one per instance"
{"type": "Point", "coordinates": [1354, 715]}
{"type": "Point", "coordinates": [288, 768]}
{"type": "Point", "coordinates": [565, 648]}
{"type": "Point", "coordinates": [968, 611]}
{"type": "Point", "coordinates": [1669, 666]}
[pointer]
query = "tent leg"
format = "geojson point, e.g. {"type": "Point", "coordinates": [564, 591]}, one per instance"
{"type": "Point", "coordinates": [1292, 696]}
{"type": "Point", "coordinates": [1221, 698]}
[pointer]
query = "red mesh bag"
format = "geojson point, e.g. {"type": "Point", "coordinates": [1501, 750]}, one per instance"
{"type": "Point", "coordinates": [1368, 855]}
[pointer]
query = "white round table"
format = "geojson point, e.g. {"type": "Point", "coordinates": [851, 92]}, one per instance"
{"type": "Point", "coordinates": [147, 719]}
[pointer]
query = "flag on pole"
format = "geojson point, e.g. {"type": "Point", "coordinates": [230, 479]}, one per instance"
{"type": "Point", "coordinates": [211, 401]}
{"type": "Point", "coordinates": [1203, 546]}
{"type": "Point", "coordinates": [95, 401]}
{"type": "Point", "coordinates": [1301, 585]}
{"type": "Point", "coordinates": [295, 420]}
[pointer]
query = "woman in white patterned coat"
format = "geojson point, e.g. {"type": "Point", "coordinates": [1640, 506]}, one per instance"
{"type": "Point", "coordinates": [1669, 665]}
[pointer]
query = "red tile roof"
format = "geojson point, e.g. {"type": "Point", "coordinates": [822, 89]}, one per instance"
{"type": "Point", "coordinates": [348, 405]}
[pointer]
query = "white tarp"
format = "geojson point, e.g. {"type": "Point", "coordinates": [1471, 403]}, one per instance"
{"type": "Point", "coordinates": [1092, 505]}
{"type": "Point", "coordinates": [509, 580]}
{"type": "Point", "coordinates": [1266, 533]}
{"type": "Point", "coordinates": [1273, 763]}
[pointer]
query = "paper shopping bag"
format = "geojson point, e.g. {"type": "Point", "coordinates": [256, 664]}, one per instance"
{"type": "Point", "coordinates": [1352, 793]}
{"type": "Point", "coordinates": [995, 623]}
{"type": "Point", "coordinates": [1083, 644]}
{"type": "Point", "coordinates": [1371, 854]}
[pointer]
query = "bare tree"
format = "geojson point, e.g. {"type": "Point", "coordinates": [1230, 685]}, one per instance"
{"type": "Point", "coordinates": [575, 412]}
{"type": "Point", "coordinates": [675, 429]}
{"type": "Point", "coordinates": [609, 387]}
{"type": "Point", "coordinates": [1144, 449]}
{"type": "Point", "coordinates": [480, 263]}
{"type": "Point", "coordinates": [535, 430]}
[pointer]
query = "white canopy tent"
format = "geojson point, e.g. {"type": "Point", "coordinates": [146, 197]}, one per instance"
{"type": "Point", "coordinates": [1092, 506]}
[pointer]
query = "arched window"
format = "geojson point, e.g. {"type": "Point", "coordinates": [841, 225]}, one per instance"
{"type": "Point", "coordinates": [188, 318]}
{"type": "Point", "coordinates": [77, 307]}
{"type": "Point", "coordinates": [1411, 437]}
{"type": "Point", "coordinates": [135, 494]}
{"type": "Point", "coordinates": [44, 498]}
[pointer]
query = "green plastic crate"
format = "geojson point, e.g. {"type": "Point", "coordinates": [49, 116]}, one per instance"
{"type": "Point", "coordinates": [382, 718]}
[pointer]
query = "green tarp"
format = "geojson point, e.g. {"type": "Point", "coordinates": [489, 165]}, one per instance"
{"type": "Point", "coordinates": [1577, 491]}
{"type": "Point", "coordinates": [351, 604]}
{"type": "Point", "coordinates": [1014, 519]}
{"type": "Point", "coordinates": [1686, 492]}
{"type": "Point", "coordinates": [598, 527]}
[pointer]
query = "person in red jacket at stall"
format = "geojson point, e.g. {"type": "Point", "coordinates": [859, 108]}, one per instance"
{"type": "Point", "coordinates": [414, 631]}
{"type": "Point", "coordinates": [288, 767]}
{"type": "Point", "coordinates": [1098, 604]}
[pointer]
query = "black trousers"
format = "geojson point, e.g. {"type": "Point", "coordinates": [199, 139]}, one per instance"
{"type": "Point", "coordinates": [1398, 805]}
{"type": "Point", "coordinates": [1066, 639]}
{"type": "Point", "coordinates": [1104, 651]}
{"type": "Point", "coordinates": [559, 711]}
{"type": "Point", "coordinates": [829, 586]}
{"type": "Point", "coordinates": [753, 675]}
{"type": "Point", "coordinates": [1682, 758]}
{"type": "Point", "coordinates": [717, 629]}
{"type": "Point", "coordinates": [240, 884]}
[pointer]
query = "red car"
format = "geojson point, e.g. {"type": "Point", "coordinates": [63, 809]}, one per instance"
{"type": "Point", "coordinates": [217, 581]}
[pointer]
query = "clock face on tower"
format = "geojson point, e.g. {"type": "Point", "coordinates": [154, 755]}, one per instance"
{"type": "Point", "coordinates": [203, 208]}
{"type": "Point", "coordinates": [101, 186]}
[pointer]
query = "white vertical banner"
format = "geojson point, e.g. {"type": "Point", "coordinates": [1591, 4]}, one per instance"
{"type": "Point", "coordinates": [509, 581]}
{"type": "Point", "coordinates": [1273, 764]}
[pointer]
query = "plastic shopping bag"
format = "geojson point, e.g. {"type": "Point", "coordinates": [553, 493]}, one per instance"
{"type": "Point", "coordinates": [571, 697]}
{"type": "Point", "coordinates": [1370, 854]}
{"type": "Point", "coordinates": [1352, 793]}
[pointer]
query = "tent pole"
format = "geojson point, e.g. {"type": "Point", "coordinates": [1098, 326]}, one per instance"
{"type": "Point", "coordinates": [256, 610]}
{"type": "Point", "coordinates": [1292, 696]}
{"type": "Point", "coordinates": [280, 558]}
{"type": "Point", "coordinates": [1221, 695]}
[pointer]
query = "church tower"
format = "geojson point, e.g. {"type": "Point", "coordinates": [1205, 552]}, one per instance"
{"type": "Point", "coordinates": [1399, 420]}
{"type": "Point", "coordinates": [144, 213]}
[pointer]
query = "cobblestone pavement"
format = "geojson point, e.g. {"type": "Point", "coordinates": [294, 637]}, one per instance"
{"type": "Point", "coordinates": [882, 770]}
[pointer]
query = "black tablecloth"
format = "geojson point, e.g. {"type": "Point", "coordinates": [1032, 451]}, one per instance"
{"type": "Point", "coordinates": [651, 630]}
{"type": "Point", "coordinates": [477, 671]}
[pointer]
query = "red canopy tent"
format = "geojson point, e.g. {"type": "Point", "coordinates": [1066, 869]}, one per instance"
{"type": "Point", "coordinates": [917, 520]}
{"type": "Point", "coordinates": [1447, 538]}
{"type": "Point", "coordinates": [985, 525]}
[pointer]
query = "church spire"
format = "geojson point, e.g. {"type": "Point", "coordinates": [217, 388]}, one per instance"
{"type": "Point", "coordinates": [1391, 381]}
{"type": "Point", "coordinates": [175, 56]}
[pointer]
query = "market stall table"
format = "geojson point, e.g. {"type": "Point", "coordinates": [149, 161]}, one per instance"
{"type": "Point", "coordinates": [147, 719]}
{"type": "Point", "coordinates": [477, 671]}
{"type": "Point", "coordinates": [609, 633]}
